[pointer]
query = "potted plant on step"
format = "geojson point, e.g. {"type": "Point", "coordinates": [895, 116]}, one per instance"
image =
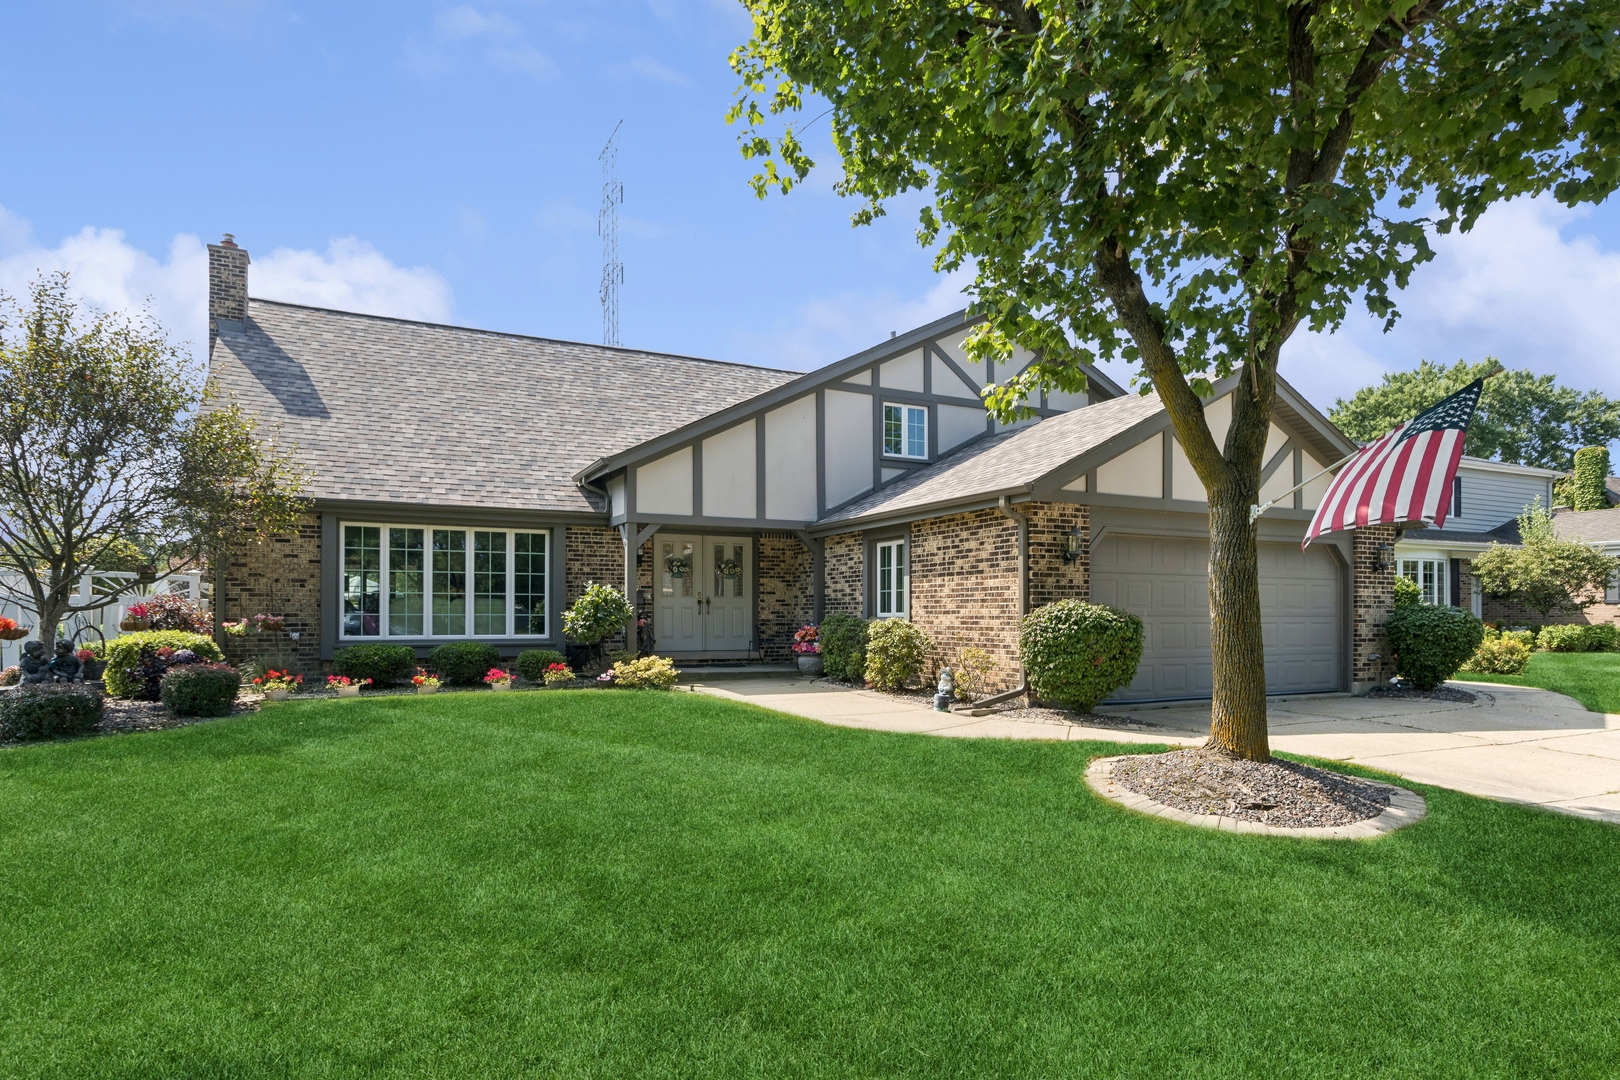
{"type": "Point", "coordinates": [496, 679]}
{"type": "Point", "coordinates": [278, 685]}
{"type": "Point", "coordinates": [425, 683]}
{"type": "Point", "coordinates": [807, 648]}
{"type": "Point", "coordinates": [345, 686]}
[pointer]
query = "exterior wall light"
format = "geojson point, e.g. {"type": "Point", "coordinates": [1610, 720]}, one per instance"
{"type": "Point", "coordinates": [1072, 552]}
{"type": "Point", "coordinates": [1386, 556]}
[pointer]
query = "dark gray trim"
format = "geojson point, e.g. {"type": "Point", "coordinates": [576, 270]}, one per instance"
{"type": "Point", "coordinates": [759, 466]}
{"type": "Point", "coordinates": [967, 380]}
{"type": "Point", "coordinates": [1166, 484]}
{"type": "Point", "coordinates": [755, 645]}
{"type": "Point", "coordinates": [1285, 452]}
{"type": "Point", "coordinates": [629, 492]}
{"type": "Point", "coordinates": [557, 589]}
{"type": "Point", "coordinates": [331, 582]}
{"type": "Point", "coordinates": [877, 441]}
{"type": "Point", "coordinates": [821, 453]}
{"type": "Point", "coordinates": [1299, 478]}
{"type": "Point", "coordinates": [818, 573]}
{"type": "Point", "coordinates": [928, 367]}
{"type": "Point", "coordinates": [702, 522]}
{"type": "Point", "coordinates": [697, 478]}
{"type": "Point", "coordinates": [407, 513]}
{"type": "Point", "coordinates": [869, 541]}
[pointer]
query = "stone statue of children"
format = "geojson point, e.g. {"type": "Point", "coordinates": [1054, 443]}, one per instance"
{"type": "Point", "coordinates": [65, 667]}
{"type": "Point", "coordinates": [35, 667]}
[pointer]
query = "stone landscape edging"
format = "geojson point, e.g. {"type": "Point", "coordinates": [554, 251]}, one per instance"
{"type": "Point", "coordinates": [1405, 808]}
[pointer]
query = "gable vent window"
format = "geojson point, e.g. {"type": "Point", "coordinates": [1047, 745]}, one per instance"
{"type": "Point", "coordinates": [891, 580]}
{"type": "Point", "coordinates": [410, 581]}
{"type": "Point", "coordinates": [905, 431]}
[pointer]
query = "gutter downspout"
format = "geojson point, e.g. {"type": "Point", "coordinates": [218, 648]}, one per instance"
{"type": "Point", "coordinates": [1004, 504]}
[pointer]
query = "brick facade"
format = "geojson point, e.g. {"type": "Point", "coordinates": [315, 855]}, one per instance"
{"type": "Point", "coordinates": [594, 554]}
{"type": "Point", "coordinates": [279, 576]}
{"type": "Point", "coordinates": [845, 572]}
{"type": "Point", "coordinates": [785, 593]}
{"type": "Point", "coordinates": [1372, 597]}
{"type": "Point", "coordinates": [1050, 577]}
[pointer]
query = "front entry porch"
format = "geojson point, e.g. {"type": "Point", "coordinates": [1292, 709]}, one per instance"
{"type": "Point", "coordinates": [703, 596]}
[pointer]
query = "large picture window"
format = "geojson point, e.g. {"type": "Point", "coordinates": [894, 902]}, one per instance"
{"type": "Point", "coordinates": [414, 581]}
{"type": "Point", "coordinates": [891, 579]}
{"type": "Point", "coordinates": [905, 431]}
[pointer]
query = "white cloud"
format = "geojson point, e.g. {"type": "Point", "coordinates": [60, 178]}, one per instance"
{"type": "Point", "coordinates": [560, 215]}
{"type": "Point", "coordinates": [109, 273]}
{"type": "Point", "coordinates": [499, 39]}
{"type": "Point", "coordinates": [1523, 286]}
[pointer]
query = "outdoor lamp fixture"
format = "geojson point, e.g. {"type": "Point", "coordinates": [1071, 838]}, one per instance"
{"type": "Point", "coordinates": [1386, 556]}
{"type": "Point", "coordinates": [1072, 552]}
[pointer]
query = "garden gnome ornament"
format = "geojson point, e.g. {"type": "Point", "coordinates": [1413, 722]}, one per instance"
{"type": "Point", "coordinates": [947, 691]}
{"type": "Point", "coordinates": [65, 667]}
{"type": "Point", "coordinates": [35, 667]}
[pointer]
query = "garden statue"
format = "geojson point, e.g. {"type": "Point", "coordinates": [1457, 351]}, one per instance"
{"type": "Point", "coordinates": [947, 691]}
{"type": "Point", "coordinates": [66, 667]}
{"type": "Point", "coordinates": [35, 668]}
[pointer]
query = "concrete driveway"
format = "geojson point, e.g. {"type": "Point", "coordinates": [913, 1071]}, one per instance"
{"type": "Point", "coordinates": [1512, 743]}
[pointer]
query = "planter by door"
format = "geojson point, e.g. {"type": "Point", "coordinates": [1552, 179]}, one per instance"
{"type": "Point", "coordinates": [810, 663]}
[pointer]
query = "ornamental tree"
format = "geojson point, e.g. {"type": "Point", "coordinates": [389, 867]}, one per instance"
{"type": "Point", "coordinates": [1545, 572]}
{"type": "Point", "coordinates": [110, 437]}
{"type": "Point", "coordinates": [1183, 186]}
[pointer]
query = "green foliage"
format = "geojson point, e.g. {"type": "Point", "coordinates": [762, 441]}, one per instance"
{"type": "Point", "coordinates": [124, 652]}
{"type": "Point", "coordinates": [382, 664]}
{"type": "Point", "coordinates": [558, 674]}
{"type": "Point", "coordinates": [463, 663]}
{"type": "Point", "coordinates": [48, 711]}
{"type": "Point", "coordinates": [532, 663]}
{"type": "Point", "coordinates": [895, 653]}
{"type": "Point", "coordinates": [1578, 637]}
{"type": "Point", "coordinates": [1432, 641]}
{"type": "Point", "coordinates": [1407, 592]}
{"type": "Point", "coordinates": [1523, 418]}
{"type": "Point", "coordinates": [843, 647]}
{"type": "Point", "coordinates": [972, 672]}
{"type": "Point", "coordinates": [599, 613]}
{"type": "Point", "coordinates": [1587, 489]}
{"type": "Point", "coordinates": [1078, 653]}
{"type": "Point", "coordinates": [201, 689]}
{"type": "Point", "coordinates": [171, 611]}
{"type": "Point", "coordinates": [1545, 572]}
{"type": "Point", "coordinates": [1498, 655]}
{"type": "Point", "coordinates": [645, 673]}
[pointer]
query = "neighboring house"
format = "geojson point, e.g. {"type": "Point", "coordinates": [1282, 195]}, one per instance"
{"type": "Point", "coordinates": [469, 484]}
{"type": "Point", "coordinates": [1599, 528]}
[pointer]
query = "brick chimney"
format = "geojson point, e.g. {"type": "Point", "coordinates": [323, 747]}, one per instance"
{"type": "Point", "coordinates": [227, 285]}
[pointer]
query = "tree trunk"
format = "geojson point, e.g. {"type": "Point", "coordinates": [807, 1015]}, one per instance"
{"type": "Point", "coordinates": [1238, 712]}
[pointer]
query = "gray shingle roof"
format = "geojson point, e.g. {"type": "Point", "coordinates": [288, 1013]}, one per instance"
{"type": "Point", "coordinates": [389, 410]}
{"type": "Point", "coordinates": [1593, 526]}
{"type": "Point", "coordinates": [1005, 463]}
{"type": "Point", "coordinates": [1502, 534]}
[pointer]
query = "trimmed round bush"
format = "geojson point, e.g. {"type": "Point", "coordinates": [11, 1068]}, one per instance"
{"type": "Point", "coordinates": [1078, 653]}
{"type": "Point", "coordinates": [895, 652]}
{"type": "Point", "coordinates": [843, 647]}
{"type": "Point", "coordinates": [123, 656]}
{"type": "Point", "coordinates": [1498, 656]}
{"type": "Point", "coordinates": [200, 689]}
{"type": "Point", "coordinates": [463, 663]}
{"type": "Point", "coordinates": [49, 711]}
{"type": "Point", "coordinates": [382, 664]}
{"type": "Point", "coordinates": [532, 663]}
{"type": "Point", "coordinates": [1431, 642]}
{"type": "Point", "coordinates": [647, 673]}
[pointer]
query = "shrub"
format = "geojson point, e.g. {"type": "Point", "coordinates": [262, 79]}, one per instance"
{"type": "Point", "coordinates": [1407, 592]}
{"type": "Point", "coordinates": [895, 651]}
{"type": "Point", "coordinates": [1078, 653]}
{"type": "Point", "coordinates": [49, 712]}
{"type": "Point", "coordinates": [171, 611]}
{"type": "Point", "coordinates": [1431, 642]}
{"type": "Point", "coordinates": [1498, 655]}
{"type": "Point", "coordinates": [11, 676]}
{"type": "Point", "coordinates": [123, 656]}
{"type": "Point", "coordinates": [1562, 637]}
{"type": "Point", "coordinates": [972, 672]}
{"type": "Point", "coordinates": [1588, 489]}
{"type": "Point", "coordinates": [201, 689]}
{"type": "Point", "coordinates": [599, 613]}
{"type": "Point", "coordinates": [843, 647]}
{"type": "Point", "coordinates": [382, 664]}
{"type": "Point", "coordinates": [463, 663]}
{"type": "Point", "coordinates": [647, 673]}
{"type": "Point", "coordinates": [532, 663]}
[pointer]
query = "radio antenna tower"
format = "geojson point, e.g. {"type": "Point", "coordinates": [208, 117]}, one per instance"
{"type": "Point", "coordinates": [607, 227]}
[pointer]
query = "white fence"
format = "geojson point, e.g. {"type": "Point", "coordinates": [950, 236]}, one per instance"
{"type": "Point", "coordinates": [93, 588]}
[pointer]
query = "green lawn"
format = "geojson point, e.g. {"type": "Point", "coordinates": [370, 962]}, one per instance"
{"type": "Point", "coordinates": [1593, 679]}
{"type": "Point", "coordinates": [607, 884]}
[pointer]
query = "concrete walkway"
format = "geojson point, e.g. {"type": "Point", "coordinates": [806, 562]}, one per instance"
{"type": "Point", "coordinates": [1513, 743]}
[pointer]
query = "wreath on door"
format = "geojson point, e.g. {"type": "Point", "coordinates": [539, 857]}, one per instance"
{"type": "Point", "coordinates": [676, 567]}
{"type": "Point", "coordinates": [731, 568]}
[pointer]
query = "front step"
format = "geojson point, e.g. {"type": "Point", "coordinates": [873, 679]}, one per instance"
{"type": "Point", "coordinates": [706, 673]}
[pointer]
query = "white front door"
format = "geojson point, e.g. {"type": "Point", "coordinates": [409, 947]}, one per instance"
{"type": "Point", "coordinates": [703, 599]}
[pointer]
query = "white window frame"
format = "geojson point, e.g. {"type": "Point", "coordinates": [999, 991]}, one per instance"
{"type": "Point", "coordinates": [906, 413]}
{"type": "Point", "coordinates": [427, 581]}
{"type": "Point", "coordinates": [1611, 592]}
{"type": "Point", "coordinates": [896, 551]}
{"type": "Point", "coordinates": [1431, 572]}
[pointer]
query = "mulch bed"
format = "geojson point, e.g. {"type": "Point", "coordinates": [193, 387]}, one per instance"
{"type": "Point", "coordinates": [120, 716]}
{"type": "Point", "coordinates": [1281, 793]}
{"type": "Point", "coordinates": [1409, 693]}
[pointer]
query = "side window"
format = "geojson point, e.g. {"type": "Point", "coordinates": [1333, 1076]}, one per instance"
{"type": "Point", "coordinates": [905, 431]}
{"type": "Point", "coordinates": [891, 584]}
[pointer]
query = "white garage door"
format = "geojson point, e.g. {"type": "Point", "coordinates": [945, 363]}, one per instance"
{"type": "Point", "coordinates": [1165, 580]}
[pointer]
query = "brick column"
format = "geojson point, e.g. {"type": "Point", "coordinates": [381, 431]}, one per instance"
{"type": "Point", "coordinates": [1372, 597]}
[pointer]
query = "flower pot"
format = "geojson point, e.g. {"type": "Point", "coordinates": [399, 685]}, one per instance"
{"type": "Point", "coordinates": [277, 695]}
{"type": "Point", "coordinates": [504, 684]}
{"type": "Point", "coordinates": [130, 626]}
{"type": "Point", "coordinates": [427, 689]}
{"type": "Point", "coordinates": [348, 691]}
{"type": "Point", "coordinates": [810, 663]}
{"type": "Point", "coordinates": [16, 633]}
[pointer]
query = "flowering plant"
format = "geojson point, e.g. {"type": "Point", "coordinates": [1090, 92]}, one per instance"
{"type": "Point", "coordinates": [235, 629]}
{"type": "Point", "coordinates": [275, 680]}
{"type": "Point", "coordinates": [557, 674]}
{"type": "Point", "coordinates": [730, 569]}
{"type": "Point", "coordinates": [84, 655]}
{"type": "Point", "coordinates": [7, 624]}
{"type": "Point", "coordinates": [137, 611]}
{"type": "Point", "coordinates": [606, 678]}
{"type": "Point", "coordinates": [496, 675]}
{"type": "Point", "coordinates": [164, 652]}
{"type": "Point", "coordinates": [11, 676]}
{"type": "Point", "coordinates": [807, 640]}
{"type": "Point", "coordinates": [344, 680]}
{"type": "Point", "coordinates": [422, 678]}
{"type": "Point", "coordinates": [268, 624]}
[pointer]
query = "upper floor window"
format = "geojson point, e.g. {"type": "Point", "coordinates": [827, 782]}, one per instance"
{"type": "Point", "coordinates": [412, 581]}
{"type": "Point", "coordinates": [905, 431]}
{"type": "Point", "coordinates": [1456, 496]}
{"type": "Point", "coordinates": [1430, 575]}
{"type": "Point", "coordinates": [890, 559]}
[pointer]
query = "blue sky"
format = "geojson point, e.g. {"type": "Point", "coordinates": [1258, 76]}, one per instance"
{"type": "Point", "coordinates": [439, 160]}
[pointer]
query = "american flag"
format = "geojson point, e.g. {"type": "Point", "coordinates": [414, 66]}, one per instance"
{"type": "Point", "coordinates": [1406, 475]}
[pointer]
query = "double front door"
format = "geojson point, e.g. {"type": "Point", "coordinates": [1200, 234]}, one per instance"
{"type": "Point", "coordinates": [703, 594]}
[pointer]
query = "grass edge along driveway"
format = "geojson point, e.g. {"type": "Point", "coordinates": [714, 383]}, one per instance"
{"type": "Point", "coordinates": [614, 884]}
{"type": "Point", "coordinates": [1593, 679]}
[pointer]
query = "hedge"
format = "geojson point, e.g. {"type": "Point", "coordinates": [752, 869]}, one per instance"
{"type": "Point", "coordinates": [1578, 637]}
{"type": "Point", "coordinates": [49, 711]}
{"type": "Point", "coordinates": [382, 664]}
{"type": "Point", "coordinates": [843, 647]}
{"type": "Point", "coordinates": [532, 663]}
{"type": "Point", "coordinates": [895, 651]}
{"type": "Point", "coordinates": [201, 689]}
{"type": "Point", "coordinates": [463, 663]}
{"type": "Point", "coordinates": [1077, 653]}
{"type": "Point", "coordinates": [123, 653]}
{"type": "Point", "coordinates": [1432, 641]}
